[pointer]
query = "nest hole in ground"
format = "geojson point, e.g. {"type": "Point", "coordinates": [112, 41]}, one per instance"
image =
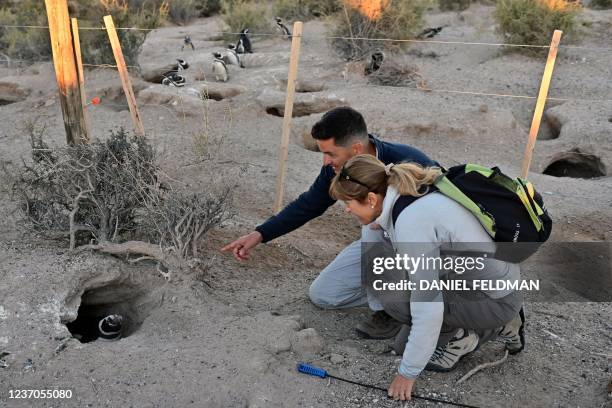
{"type": "Point", "coordinates": [132, 302]}
{"type": "Point", "coordinates": [299, 110]}
{"type": "Point", "coordinates": [548, 131]}
{"type": "Point", "coordinates": [274, 112]}
{"type": "Point", "coordinates": [577, 164]}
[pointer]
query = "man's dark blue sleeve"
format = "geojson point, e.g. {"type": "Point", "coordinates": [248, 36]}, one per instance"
{"type": "Point", "coordinates": [307, 206]}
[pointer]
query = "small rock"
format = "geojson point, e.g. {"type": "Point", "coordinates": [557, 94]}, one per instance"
{"type": "Point", "coordinates": [483, 108]}
{"type": "Point", "coordinates": [307, 343]}
{"type": "Point", "coordinates": [304, 103]}
{"type": "Point", "coordinates": [303, 85]}
{"type": "Point", "coordinates": [12, 90]}
{"type": "Point", "coordinates": [182, 101]}
{"type": "Point", "coordinates": [28, 365]}
{"type": "Point", "coordinates": [336, 358]}
{"type": "Point", "coordinates": [217, 92]}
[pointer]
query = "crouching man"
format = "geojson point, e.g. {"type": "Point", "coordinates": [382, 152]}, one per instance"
{"type": "Point", "coordinates": [340, 135]}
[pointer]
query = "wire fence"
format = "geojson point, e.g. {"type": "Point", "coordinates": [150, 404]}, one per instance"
{"type": "Point", "coordinates": [420, 88]}
{"type": "Point", "coordinates": [416, 41]}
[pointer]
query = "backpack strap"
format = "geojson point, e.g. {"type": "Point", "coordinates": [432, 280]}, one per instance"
{"type": "Point", "coordinates": [404, 201]}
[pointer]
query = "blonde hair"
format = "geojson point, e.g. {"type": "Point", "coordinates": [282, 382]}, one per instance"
{"type": "Point", "coordinates": [364, 173]}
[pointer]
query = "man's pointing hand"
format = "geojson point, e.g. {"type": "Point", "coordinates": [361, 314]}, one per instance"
{"type": "Point", "coordinates": [241, 248]}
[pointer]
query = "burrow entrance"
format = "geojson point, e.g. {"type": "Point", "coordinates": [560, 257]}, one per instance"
{"type": "Point", "coordinates": [132, 302]}
{"type": "Point", "coordinates": [577, 164]}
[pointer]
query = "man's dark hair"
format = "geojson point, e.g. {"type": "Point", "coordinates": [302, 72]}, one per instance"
{"type": "Point", "coordinates": [343, 124]}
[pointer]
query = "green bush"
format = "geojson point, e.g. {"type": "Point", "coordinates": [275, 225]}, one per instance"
{"type": "Point", "coordinates": [182, 11]}
{"type": "Point", "coordinates": [207, 8]}
{"type": "Point", "coordinates": [533, 21]}
{"type": "Point", "coordinates": [398, 20]}
{"type": "Point", "coordinates": [240, 14]}
{"type": "Point", "coordinates": [601, 4]}
{"type": "Point", "coordinates": [305, 9]}
{"type": "Point", "coordinates": [24, 43]}
{"type": "Point", "coordinates": [454, 5]}
{"type": "Point", "coordinates": [33, 44]}
{"type": "Point", "coordinates": [95, 46]}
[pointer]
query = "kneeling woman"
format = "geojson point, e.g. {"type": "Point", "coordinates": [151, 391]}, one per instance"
{"type": "Point", "coordinates": [442, 329]}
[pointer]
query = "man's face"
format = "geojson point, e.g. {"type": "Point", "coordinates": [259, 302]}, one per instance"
{"type": "Point", "coordinates": [336, 156]}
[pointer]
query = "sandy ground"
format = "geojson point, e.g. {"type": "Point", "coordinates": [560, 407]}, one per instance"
{"type": "Point", "coordinates": [231, 337]}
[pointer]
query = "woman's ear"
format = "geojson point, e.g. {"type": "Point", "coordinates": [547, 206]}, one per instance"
{"type": "Point", "coordinates": [373, 199]}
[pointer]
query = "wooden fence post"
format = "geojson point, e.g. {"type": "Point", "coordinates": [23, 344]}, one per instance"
{"type": "Point", "coordinates": [66, 71]}
{"type": "Point", "coordinates": [541, 101]}
{"type": "Point", "coordinates": [123, 73]}
{"type": "Point", "coordinates": [284, 147]}
{"type": "Point", "coordinates": [79, 62]}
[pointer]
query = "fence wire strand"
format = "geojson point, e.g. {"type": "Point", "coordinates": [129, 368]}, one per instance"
{"type": "Point", "coordinates": [422, 89]}
{"type": "Point", "coordinates": [350, 38]}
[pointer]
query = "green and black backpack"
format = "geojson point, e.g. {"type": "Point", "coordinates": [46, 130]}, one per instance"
{"type": "Point", "coordinates": [510, 210]}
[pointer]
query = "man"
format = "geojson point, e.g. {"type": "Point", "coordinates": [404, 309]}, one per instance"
{"type": "Point", "coordinates": [340, 134]}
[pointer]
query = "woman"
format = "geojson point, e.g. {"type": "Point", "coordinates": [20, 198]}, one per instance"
{"type": "Point", "coordinates": [441, 327]}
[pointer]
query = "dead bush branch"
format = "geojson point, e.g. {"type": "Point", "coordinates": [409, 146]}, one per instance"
{"type": "Point", "coordinates": [110, 195]}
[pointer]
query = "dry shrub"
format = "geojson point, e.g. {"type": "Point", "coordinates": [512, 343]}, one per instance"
{"type": "Point", "coordinates": [240, 14]}
{"type": "Point", "coordinates": [398, 19]}
{"type": "Point", "coordinates": [601, 4]}
{"type": "Point", "coordinates": [305, 9]}
{"type": "Point", "coordinates": [394, 73]}
{"type": "Point", "coordinates": [454, 5]}
{"type": "Point", "coordinates": [109, 192]}
{"type": "Point", "coordinates": [533, 21]}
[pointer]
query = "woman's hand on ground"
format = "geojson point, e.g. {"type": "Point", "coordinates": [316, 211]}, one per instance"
{"type": "Point", "coordinates": [401, 388]}
{"type": "Point", "coordinates": [241, 248]}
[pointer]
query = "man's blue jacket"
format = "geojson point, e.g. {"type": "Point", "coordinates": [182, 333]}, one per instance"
{"type": "Point", "coordinates": [316, 200]}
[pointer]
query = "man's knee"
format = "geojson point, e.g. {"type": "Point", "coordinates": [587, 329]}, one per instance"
{"type": "Point", "coordinates": [320, 297]}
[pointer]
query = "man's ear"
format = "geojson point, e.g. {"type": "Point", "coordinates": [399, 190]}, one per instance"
{"type": "Point", "coordinates": [357, 148]}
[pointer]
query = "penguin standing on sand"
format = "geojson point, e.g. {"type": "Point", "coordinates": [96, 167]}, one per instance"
{"type": "Point", "coordinates": [244, 43]}
{"type": "Point", "coordinates": [231, 57]}
{"type": "Point", "coordinates": [187, 43]}
{"type": "Point", "coordinates": [219, 68]}
{"type": "Point", "coordinates": [283, 28]}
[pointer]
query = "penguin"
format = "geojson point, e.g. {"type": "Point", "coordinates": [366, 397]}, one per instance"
{"type": "Point", "coordinates": [429, 32]}
{"type": "Point", "coordinates": [175, 69]}
{"type": "Point", "coordinates": [157, 75]}
{"type": "Point", "coordinates": [181, 65]}
{"type": "Point", "coordinates": [283, 28]}
{"type": "Point", "coordinates": [244, 44]}
{"type": "Point", "coordinates": [187, 43]}
{"type": "Point", "coordinates": [219, 68]}
{"type": "Point", "coordinates": [231, 57]}
{"type": "Point", "coordinates": [376, 61]}
{"type": "Point", "coordinates": [109, 327]}
{"type": "Point", "coordinates": [175, 80]}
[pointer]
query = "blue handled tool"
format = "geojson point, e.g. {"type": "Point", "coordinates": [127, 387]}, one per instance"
{"type": "Point", "coordinates": [319, 372]}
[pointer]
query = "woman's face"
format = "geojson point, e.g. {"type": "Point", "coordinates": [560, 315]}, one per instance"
{"type": "Point", "coordinates": [365, 211]}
